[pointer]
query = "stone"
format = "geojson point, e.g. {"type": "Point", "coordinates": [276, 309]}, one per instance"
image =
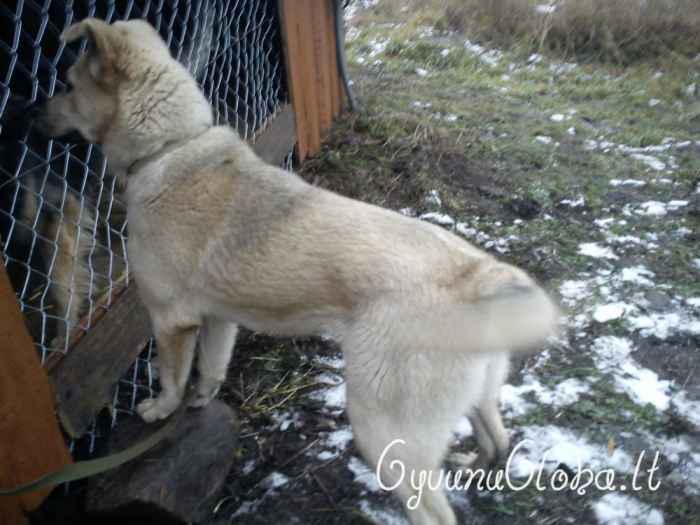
{"type": "Point", "coordinates": [181, 475]}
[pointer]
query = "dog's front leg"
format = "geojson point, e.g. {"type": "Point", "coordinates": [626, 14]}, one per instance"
{"type": "Point", "coordinates": [175, 352]}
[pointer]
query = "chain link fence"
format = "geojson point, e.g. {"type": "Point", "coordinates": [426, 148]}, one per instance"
{"type": "Point", "coordinates": [63, 224]}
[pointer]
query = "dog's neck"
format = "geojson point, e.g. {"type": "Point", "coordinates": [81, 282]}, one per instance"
{"type": "Point", "coordinates": [161, 151]}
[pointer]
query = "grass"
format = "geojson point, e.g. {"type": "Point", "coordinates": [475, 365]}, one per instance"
{"type": "Point", "coordinates": [620, 31]}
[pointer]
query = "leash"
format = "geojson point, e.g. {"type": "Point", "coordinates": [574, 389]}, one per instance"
{"type": "Point", "coordinates": [90, 467]}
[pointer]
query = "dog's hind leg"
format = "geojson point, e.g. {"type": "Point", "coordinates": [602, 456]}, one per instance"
{"type": "Point", "coordinates": [175, 346]}
{"type": "Point", "coordinates": [399, 453]}
{"type": "Point", "coordinates": [489, 431]}
{"type": "Point", "coordinates": [402, 415]}
{"type": "Point", "coordinates": [216, 341]}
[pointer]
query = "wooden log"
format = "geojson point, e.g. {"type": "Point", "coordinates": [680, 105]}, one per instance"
{"type": "Point", "coordinates": [31, 443]}
{"type": "Point", "coordinates": [84, 378]}
{"type": "Point", "coordinates": [180, 475]}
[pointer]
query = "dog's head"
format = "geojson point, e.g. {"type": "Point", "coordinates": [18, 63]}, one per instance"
{"type": "Point", "coordinates": [126, 93]}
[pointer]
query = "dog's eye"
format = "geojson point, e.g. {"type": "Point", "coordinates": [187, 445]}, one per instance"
{"type": "Point", "coordinates": [68, 87]}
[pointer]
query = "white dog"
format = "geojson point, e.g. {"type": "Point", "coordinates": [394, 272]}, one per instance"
{"type": "Point", "coordinates": [218, 238]}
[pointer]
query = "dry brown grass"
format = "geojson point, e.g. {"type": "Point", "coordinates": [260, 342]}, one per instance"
{"type": "Point", "coordinates": [621, 31]}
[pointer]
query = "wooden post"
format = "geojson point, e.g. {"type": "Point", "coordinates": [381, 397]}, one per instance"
{"type": "Point", "coordinates": [308, 35]}
{"type": "Point", "coordinates": [31, 443]}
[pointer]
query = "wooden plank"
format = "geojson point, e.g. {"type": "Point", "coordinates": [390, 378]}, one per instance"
{"type": "Point", "coordinates": [298, 37]}
{"type": "Point", "coordinates": [84, 379]}
{"type": "Point", "coordinates": [31, 443]}
{"type": "Point", "coordinates": [278, 139]}
{"type": "Point", "coordinates": [308, 67]}
{"type": "Point", "coordinates": [322, 66]}
{"type": "Point", "coordinates": [290, 18]}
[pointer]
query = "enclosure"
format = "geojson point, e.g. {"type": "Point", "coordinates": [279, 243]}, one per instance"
{"type": "Point", "coordinates": [269, 70]}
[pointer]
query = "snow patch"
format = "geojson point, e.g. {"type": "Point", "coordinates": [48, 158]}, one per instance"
{"type": "Point", "coordinates": [551, 446]}
{"type": "Point", "coordinates": [609, 312]}
{"type": "Point", "coordinates": [378, 47]}
{"type": "Point", "coordinates": [621, 509]}
{"type": "Point", "coordinates": [661, 325]}
{"type": "Point", "coordinates": [274, 481]}
{"type": "Point", "coordinates": [643, 386]}
{"type": "Point", "coordinates": [385, 517]}
{"type": "Point", "coordinates": [574, 291]}
{"type": "Point", "coordinates": [638, 275]}
{"type": "Point", "coordinates": [325, 455]}
{"type": "Point", "coordinates": [433, 199]}
{"type": "Point", "coordinates": [489, 57]}
{"type": "Point", "coordinates": [557, 117]}
{"type": "Point", "coordinates": [595, 250]}
{"type": "Point", "coordinates": [363, 474]}
{"type": "Point", "coordinates": [545, 9]}
{"type": "Point", "coordinates": [651, 162]}
{"type": "Point", "coordinates": [335, 361]}
{"type": "Point", "coordinates": [421, 72]}
{"type": "Point", "coordinates": [580, 201]}
{"type": "Point", "coordinates": [652, 208]}
{"type": "Point", "coordinates": [333, 394]}
{"type": "Point", "coordinates": [438, 218]}
{"type": "Point", "coordinates": [627, 182]}
{"type": "Point", "coordinates": [564, 393]}
{"type": "Point", "coordinates": [338, 439]}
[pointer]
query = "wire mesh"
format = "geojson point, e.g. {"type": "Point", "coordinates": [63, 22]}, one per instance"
{"type": "Point", "coordinates": [62, 220]}
{"type": "Point", "coordinates": [63, 226]}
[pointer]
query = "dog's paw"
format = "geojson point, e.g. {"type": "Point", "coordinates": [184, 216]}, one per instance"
{"type": "Point", "coordinates": [157, 408]}
{"type": "Point", "coordinates": [206, 391]}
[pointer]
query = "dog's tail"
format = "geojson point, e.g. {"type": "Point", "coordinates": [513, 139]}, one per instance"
{"type": "Point", "coordinates": [502, 310]}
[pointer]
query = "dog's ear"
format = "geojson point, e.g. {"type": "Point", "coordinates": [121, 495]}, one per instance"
{"type": "Point", "coordinates": [101, 44]}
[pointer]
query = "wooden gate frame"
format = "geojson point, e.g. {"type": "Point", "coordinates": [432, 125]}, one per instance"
{"type": "Point", "coordinates": [79, 384]}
